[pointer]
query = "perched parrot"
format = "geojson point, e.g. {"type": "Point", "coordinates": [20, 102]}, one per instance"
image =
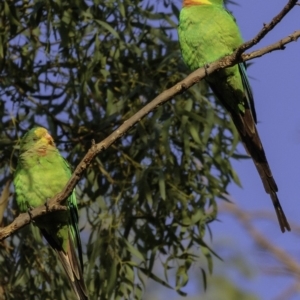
{"type": "Point", "coordinates": [207, 32]}
{"type": "Point", "coordinates": [42, 173]}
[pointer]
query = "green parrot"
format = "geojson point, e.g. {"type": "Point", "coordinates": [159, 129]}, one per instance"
{"type": "Point", "coordinates": [207, 32]}
{"type": "Point", "coordinates": [41, 174]}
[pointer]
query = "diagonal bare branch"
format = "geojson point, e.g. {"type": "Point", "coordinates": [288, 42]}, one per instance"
{"type": "Point", "coordinates": [288, 263]}
{"type": "Point", "coordinates": [267, 27]}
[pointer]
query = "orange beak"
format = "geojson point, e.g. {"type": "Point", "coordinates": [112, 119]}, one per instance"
{"type": "Point", "coordinates": [49, 138]}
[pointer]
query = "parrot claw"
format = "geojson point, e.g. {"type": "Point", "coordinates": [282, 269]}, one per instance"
{"type": "Point", "coordinates": [206, 66]}
{"type": "Point", "coordinates": [30, 208]}
{"type": "Point", "coordinates": [47, 205]}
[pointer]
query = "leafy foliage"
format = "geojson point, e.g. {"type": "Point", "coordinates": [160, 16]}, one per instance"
{"type": "Point", "coordinates": [80, 69]}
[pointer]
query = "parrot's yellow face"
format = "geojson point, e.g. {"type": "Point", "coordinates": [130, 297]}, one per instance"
{"type": "Point", "coordinates": [37, 138]}
{"type": "Point", "coordinates": [43, 135]}
{"type": "Point", "coordinates": [195, 2]}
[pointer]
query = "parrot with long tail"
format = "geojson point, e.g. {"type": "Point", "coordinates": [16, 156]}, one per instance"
{"type": "Point", "coordinates": [208, 32]}
{"type": "Point", "coordinates": [42, 173]}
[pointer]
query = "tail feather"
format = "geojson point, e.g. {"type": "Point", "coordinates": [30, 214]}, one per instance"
{"type": "Point", "coordinates": [247, 130]}
{"type": "Point", "coordinates": [70, 263]}
{"type": "Point", "coordinates": [284, 224]}
{"type": "Point", "coordinates": [244, 122]}
{"type": "Point", "coordinates": [73, 270]}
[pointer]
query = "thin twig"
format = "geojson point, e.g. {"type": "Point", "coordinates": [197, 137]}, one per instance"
{"type": "Point", "coordinates": [284, 258]}
{"type": "Point", "coordinates": [267, 28]}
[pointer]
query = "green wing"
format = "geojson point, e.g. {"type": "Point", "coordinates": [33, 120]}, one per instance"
{"type": "Point", "coordinates": [247, 89]}
{"type": "Point", "coordinates": [74, 219]}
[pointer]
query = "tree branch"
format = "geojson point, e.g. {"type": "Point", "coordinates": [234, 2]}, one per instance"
{"type": "Point", "coordinates": [284, 258]}
{"type": "Point", "coordinates": [230, 60]}
{"type": "Point", "coordinates": [267, 28]}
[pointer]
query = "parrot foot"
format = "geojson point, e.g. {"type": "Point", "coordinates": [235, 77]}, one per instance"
{"type": "Point", "coordinates": [47, 205]}
{"type": "Point", "coordinates": [30, 208]}
{"type": "Point", "coordinates": [206, 66]}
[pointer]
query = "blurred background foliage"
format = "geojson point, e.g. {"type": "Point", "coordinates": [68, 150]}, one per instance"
{"type": "Point", "coordinates": [80, 69]}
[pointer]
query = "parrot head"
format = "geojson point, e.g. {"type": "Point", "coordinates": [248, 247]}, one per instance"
{"type": "Point", "coordinates": [201, 2]}
{"type": "Point", "coordinates": [35, 138]}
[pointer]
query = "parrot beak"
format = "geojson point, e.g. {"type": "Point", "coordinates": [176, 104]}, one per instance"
{"type": "Point", "coordinates": [49, 138]}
